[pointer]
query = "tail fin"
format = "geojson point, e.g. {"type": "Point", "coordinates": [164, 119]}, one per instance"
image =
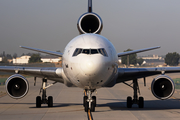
{"type": "Point", "coordinates": [89, 6]}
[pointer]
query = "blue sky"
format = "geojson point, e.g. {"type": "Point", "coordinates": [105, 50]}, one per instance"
{"type": "Point", "coordinates": [51, 24]}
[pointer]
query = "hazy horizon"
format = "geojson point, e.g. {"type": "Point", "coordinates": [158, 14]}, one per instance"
{"type": "Point", "coordinates": [50, 25]}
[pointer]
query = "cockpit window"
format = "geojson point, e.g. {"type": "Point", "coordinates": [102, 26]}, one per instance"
{"type": "Point", "coordinates": [77, 51]}
{"type": "Point", "coordinates": [101, 51]}
{"type": "Point", "coordinates": [86, 51]}
{"type": "Point", "coordinates": [94, 51]}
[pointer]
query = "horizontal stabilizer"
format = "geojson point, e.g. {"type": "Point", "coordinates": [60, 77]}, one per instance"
{"type": "Point", "coordinates": [137, 51]}
{"type": "Point", "coordinates": [43, 51]}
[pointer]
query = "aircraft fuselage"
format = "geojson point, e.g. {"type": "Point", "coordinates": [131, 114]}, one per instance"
{"type": "Point", "coordinates": [90, 61]}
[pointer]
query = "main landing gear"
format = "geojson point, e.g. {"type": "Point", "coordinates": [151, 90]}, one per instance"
{"type": "Point", "coordinates": [44, 99]}
{"type": "Point", "coordinates": [89, 101]}
{"type": "Point", "coordinates": [135, 100]}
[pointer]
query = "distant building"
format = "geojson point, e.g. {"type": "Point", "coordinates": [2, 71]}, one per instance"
{"type": "Point", "coordinates": [153, 57]}
{"type": "Point", "coordinates": [24, 59]}
{"type": "Point", "coordinates": [152, 60]}
{"type": "Point", "coordinates": [21, 60]}
{"type": "Point", "coordinates": [51, 60]}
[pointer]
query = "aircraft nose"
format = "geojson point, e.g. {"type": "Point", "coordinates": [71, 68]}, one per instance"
{"type": "Point", "coordinates": [89, 64]}
{"type": "Point", "coordinates": [90, 68]}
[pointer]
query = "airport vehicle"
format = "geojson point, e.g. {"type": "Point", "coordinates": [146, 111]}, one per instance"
{"type": "Point", "coordinates": [90, 62]}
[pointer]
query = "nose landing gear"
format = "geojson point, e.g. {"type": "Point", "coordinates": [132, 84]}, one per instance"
{"type": "Point", "coordinates": [89, 101]}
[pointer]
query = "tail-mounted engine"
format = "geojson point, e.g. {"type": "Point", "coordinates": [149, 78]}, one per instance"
{"type": "Point", "coordinates": [17, 86]}
{"type": "Point", "coordinates": [162, 87]}
{"type": "Point", "coordinates": [90, 23]}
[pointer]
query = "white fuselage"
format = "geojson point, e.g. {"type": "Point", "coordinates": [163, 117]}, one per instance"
{"type": "Point", "coordinates": [90, 61]}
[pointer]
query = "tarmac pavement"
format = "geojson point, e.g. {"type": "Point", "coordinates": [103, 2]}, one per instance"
{"type": "Point", "coordinates": [111, 104]}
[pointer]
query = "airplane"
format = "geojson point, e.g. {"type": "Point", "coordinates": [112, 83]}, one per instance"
{"type": "Point", "coordinates": [90, 62]}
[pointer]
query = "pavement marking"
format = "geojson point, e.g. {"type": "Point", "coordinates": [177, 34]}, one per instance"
{"type": "Point", "coordinates": [89, 111]}
{"type": "Point", "coordinates": [89, 115]}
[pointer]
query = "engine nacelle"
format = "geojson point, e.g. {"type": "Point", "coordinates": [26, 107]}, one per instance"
{"type": "Point", "coordinates": [90, 23]}
{"type": "Point", "coordinates": [162, 87]}
{"type": "Point", "coordinates": [17, 86]}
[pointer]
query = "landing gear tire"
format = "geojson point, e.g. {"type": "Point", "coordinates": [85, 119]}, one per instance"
{"type": "Point", "coordinates": [38, 101]}
{"type": "Point", "coordinates": [129, 102]}
{"type": "Point", "coordinates": [86, 106]}
{"type": "Point", "coordinates": [93, 106]}
{"type": "Point", "coordinates": [141, 102]}
{"type": "Point", "coordinates": [50, 101]}
{"type": "Point", "coordinates": [94, 100]}
{"type": "Point", "coordinates": [84, 100]}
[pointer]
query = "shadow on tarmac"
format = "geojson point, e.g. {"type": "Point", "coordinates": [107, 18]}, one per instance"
{"type": "Point", "coordinates": [55, 105]}
{"type": "Point", "coordinates": [148, 105]}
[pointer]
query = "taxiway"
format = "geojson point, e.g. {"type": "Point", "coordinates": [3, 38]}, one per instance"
{"type": "Point", "coordinates": [111, 104]}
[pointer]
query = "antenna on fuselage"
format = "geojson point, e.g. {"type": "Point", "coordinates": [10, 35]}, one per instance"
{"type": "Point", "coordinates": [90, 6]}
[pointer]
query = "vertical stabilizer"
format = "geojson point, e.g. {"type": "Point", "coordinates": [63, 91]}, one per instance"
{"type": "Point", "coordinates": [89, 6]}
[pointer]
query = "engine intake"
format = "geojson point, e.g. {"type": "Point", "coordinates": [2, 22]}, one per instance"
{"type": "Point", "coordinates": [90, 23]}
{"type": "Point", "coordinates": [162, 87]}
{"type": "Point", "coordinates": [17, 86]}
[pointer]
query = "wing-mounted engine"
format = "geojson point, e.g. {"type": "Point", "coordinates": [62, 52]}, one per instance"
{"type": "Point", "coordinates": [162, 87]}
{"type": "Point", "coordinates": [90, 23]}
{"type": "Point", "coordinates": [17, 86]}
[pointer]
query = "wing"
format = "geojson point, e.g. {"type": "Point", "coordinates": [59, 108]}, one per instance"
{"type": "Point", "coordinates": [43, 51]}
{"type": "Point", "coordinates": [125, 74]}
{"type": "Point", "coordinates": [137, 51]}
{"type": "Point", "coordinates": [50, 73]}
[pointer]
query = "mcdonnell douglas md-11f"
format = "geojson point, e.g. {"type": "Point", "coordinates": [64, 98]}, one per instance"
{"type": "Point", "coordinates": [90, 62]}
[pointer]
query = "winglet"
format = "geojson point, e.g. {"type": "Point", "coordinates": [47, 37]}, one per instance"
{"type": "Point", "coordinates": [43, 51]}
{"type": "Point", "coordinates": [137, 51]}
